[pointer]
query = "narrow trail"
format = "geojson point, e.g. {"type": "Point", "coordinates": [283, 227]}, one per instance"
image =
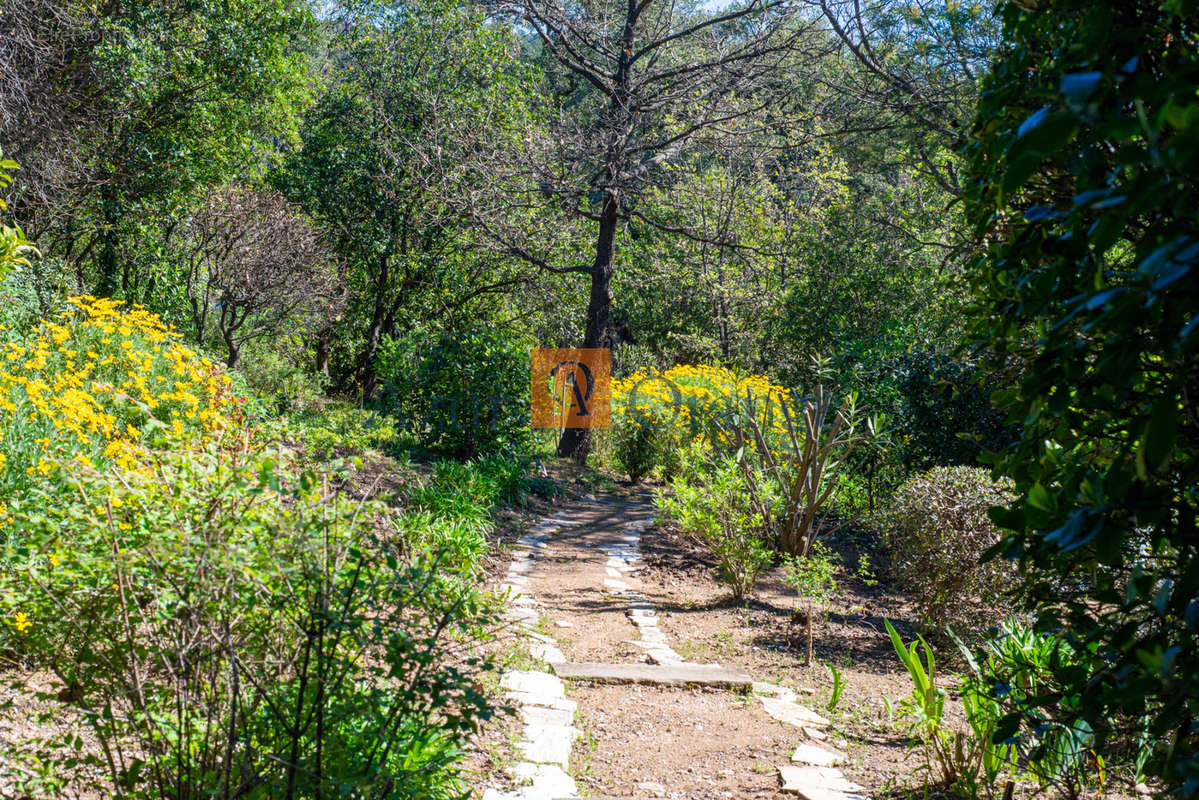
{"type": "Point", "coordinates": [619, 713]}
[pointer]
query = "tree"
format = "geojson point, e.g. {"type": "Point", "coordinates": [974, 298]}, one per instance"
{"type": "Point", "coordinates": [132, 107]}
{"type": "Point", "coordinates": [15, 249]}
{"type": "Point", "coordinates": [655, 81]}
{"type": "Point", "coordinates": [1084, 158]}
{"type": "Point", "coordinates": [423, 97]}
{"type": "Point", "coordinates": [918, 64]}
{"type": "Point", "coordinates": [255, 264]}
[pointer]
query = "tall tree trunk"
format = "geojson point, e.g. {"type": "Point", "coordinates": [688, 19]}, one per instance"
{"type": "Point", "coordinates": [107, 286]}
{"type": "Point", "coordinates": [370, 352]}
{"type": "Point", "coordinates": [369, 376]}
{"type": "Point", "coordinates": [576, 442]}
{"type": "Point", "coordinates": [322, 351]}
{"type": "Point", "coordinates": [234, 352]}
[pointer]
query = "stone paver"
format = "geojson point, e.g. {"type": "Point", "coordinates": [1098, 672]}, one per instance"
{"type": "Point", "coordinates": [547, 744]}
{"type": "Point", "coordinates": [820, 783]}
{"type": "Point", "coordinates": [539, 696]}
{"type": "Point", "coordinates": [673, 675]}
{"type": "Point", "coordinates": [533, 683]}
{"type": "Point", "coordinates": [817, 756]}
{"type": "Point", "coordinates": [792, 713]}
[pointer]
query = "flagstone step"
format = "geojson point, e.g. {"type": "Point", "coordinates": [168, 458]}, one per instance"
{"type": "Point", "coordinates": [660, 675]}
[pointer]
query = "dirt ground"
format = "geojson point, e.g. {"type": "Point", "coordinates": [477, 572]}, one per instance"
{"type": "Point", "coordinates": [642, 741]}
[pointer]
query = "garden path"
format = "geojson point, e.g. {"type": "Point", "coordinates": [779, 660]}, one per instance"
{"type": "Point", "coordinates": [634, 718]}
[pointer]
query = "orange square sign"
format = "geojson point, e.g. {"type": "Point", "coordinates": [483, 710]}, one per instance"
{"type": "Point", "coordinates": [571, 387]}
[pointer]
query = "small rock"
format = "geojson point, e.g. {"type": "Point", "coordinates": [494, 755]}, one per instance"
{"type": "Point", "coordinates": [564, 623]}
{"type": "Point", "coordinates": [652, 788]}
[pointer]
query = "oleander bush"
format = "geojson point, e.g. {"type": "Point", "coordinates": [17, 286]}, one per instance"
{"type": "Point", "coordinates": [940, 530]}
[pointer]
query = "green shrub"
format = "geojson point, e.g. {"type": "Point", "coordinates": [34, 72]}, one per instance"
{"type": "Point", "coordinates": [940, 530]}
{"type": "Point", "coordinates": [230, 629]}
{"type": "Point", "coordinates": [945, 416]}
{"type": "Point", "coordinates": [328, 428]}
{"type": "Point", "coordinates": [1083, 162]}
{"type": "Point", "coordinates": [278, 381]}
{"type": "Point", "coordinates": [813, 577]}
{"type": "Point", "coordinates": [712, 506]}
{"type": "Point", "coordinates": [460, 393]}
{"type": "Point", "coordinates": [636, 446]}
{"type": "Point", "coordinates": [1017, 669]}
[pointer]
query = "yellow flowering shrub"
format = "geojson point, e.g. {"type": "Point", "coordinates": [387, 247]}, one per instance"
{"type": "Point", "coordinates": [655, 413]}
{"type": "Point", "coordinates": [99, 384]}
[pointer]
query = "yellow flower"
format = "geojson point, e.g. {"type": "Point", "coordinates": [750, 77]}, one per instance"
{"type": "Point", "coordinates": [21, 622]}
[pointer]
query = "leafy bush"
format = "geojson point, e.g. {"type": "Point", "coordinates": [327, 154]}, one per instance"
{"type": "Point", "coordinates": [102, 385]}
{"type": "Point", "coordinates": [655, 413]}
{"type": "Point", "coordinates": [940, 530]}
{"type": "Point", "coordinates": [279, 381]}
{"type": "Point", "coordinates": [225, 625]}
{"type": "Point", "coordinates": [945, 415]}
{"type": "Point", "coordinates": [461, 393]}
{"type": "Point", "coordinates": [636, 446]}
{"type": "Point", "coordinates": [1018, 667]}
{"type": "Point", "coordinates": [328, 427]}
{"type": "Point", "coordinates": [713, 507]}
{"type": "Point", "coordinates": [251, 639]}
{"type": "Point", "coordinates": [1084, 155]}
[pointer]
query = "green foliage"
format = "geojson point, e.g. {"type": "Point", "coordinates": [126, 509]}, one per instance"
{"type": "Point", "coordinates": [460, 394]}
{"type": "Point", "coordinates": [956, 757]}
{"type": "Point", "coordinates": [159, 100]}
{"type": "Point", "coordinates": [945, 416]}
{"type": "Point", "coordinates": [226, 624]}
{"type": "Point", "coordinates": [636, 444]}
{"type": "Point", "coordinates": [793, 451]}
{"type": "Point", "coordinates": [303, 656]}
{"type": "Point", "coordinates": [940, 531]}
{"type": "Point", "coordinates": [395, 163]}
{"type": "Point", "coordinates": [1083, 161]}
{"type": "Point", "coordinates": [712, 505]}
{"type": "Point", "coordinates": [813, 575]}
{"type": "Point", "coordinates": [279, 381]}
{"type": "Point", "coordinates": [1018, 667]}
{"type": "Point", "coordinates": [451, 512]}
{"type": "Point", "coordinates": [332, 428]}
{"type": "Point", "coordinates": [838, 687]}
{"type": "Point", "coordinates": [15, 249]}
